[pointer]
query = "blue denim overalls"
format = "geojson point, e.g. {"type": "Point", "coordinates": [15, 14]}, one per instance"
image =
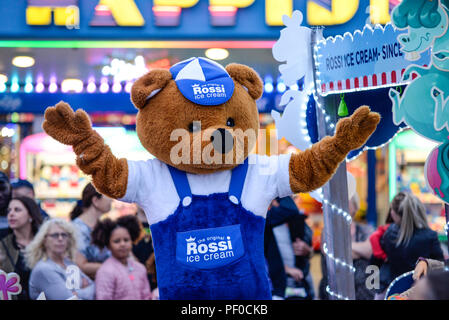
{"type": "Point", "coordinates": [211, 247]}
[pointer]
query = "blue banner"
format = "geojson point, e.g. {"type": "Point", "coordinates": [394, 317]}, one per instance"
{"type": "Point", "coordinates": [91, 102]}
{"type": "Point", "coordinates": [367, 59]}
{"type": "Point", "coordinates": [95, 102]}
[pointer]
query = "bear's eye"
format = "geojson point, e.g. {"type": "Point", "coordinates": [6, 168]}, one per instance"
{"type": "Point", "coordinates": [230, 122]}
{"type": "Point", "coordinates": [195, 126]}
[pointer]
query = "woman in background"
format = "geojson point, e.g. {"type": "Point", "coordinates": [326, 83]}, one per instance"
{"type": "Point", "coordinates": [85, 217]}
{"type": "Point", "coordinates": [24, 219]}
{"type": "Point", "coordinates": [50, 255]}
{"type": "Point", "coordinates": [406, 239]}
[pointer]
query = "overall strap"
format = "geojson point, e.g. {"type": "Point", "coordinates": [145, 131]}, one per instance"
{"type": "Point", "coordinates": [237, 181]}
{"type": "Point", "coordinates": [182, 185]}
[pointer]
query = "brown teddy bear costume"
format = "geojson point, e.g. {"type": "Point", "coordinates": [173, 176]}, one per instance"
{"type": "Point", "coordinates": [206, 200]}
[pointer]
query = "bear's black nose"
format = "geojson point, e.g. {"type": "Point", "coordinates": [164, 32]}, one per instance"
{"type": "Point", "coordinates": [222, 140]}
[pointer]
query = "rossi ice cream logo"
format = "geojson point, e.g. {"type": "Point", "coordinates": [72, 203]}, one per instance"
{"type": "Point", "coordinates": [208, 91]}
{"type": "Point", "coordinates": [209, 248]}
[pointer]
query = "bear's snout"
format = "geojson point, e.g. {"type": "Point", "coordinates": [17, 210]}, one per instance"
{"type": "Point", "coordinates": [222, 140]}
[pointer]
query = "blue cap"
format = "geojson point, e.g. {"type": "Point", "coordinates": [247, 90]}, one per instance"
{"type": "Point", "coordinates": [203, 81]}
{"type": "Point", "coordinates": [20, 183]}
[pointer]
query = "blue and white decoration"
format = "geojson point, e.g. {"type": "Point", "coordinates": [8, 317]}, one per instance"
{"type": "Point", "coordinates": [293, 47]}
{"type": "Point", "coordinates": [399, 285]}
{"type": "Point", "coordinates": [203, 81]}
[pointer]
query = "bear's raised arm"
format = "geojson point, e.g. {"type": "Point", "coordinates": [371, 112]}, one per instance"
{"type": "Point", "coordinates": [312, 168]}
{"type": "Point", "coordinates": [94, 157]}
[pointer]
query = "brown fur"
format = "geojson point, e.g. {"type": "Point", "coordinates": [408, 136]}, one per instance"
{"type": "Point", "coordinates": [313, 167]}
{"type": "Point", "coordinates": [169, 110]}
{"type": "Point", "coordinates": [109, 174]}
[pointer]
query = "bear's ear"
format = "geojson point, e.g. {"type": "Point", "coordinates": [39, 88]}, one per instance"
{"type": "Point", "coordinates": [247, 77]}
{"type": "Point", "coordinates": [148, 85]}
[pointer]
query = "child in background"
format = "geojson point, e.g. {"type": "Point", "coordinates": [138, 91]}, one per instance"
{"type": "Point", "coordinates": [121, 277]}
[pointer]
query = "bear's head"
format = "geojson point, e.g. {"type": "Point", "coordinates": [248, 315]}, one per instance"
{"type": "Point", "coordinates": [198, 116]}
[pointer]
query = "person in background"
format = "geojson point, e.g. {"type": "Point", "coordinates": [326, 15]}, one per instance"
{"type": "Point", "coordinates": [85, 217]}
{"type": "Point", "coordinates": [371, 249]}
{"type": "Point", "coordinates": [276, 215]}
{"type": "Point", "coordinates": [301, 239]}
{"type": "Point", "coordinates": [360, 233]}
{"type": "Point", "coordinates": [24, 220]}
{"type": "Point", "coordinates": [360, 238]}
{"type": "Point", "coordinates": [5, 197]}
{"type": "Point", "coordinates": [121, 277]}
{"type": "Point", "coordinates": [50, 256]}
{"type": "Point", "coordinates": [143, 249]}
{"type": "Point", "coordinates": [287, 224]}
{"type": "Point", "coordinates": [21, 187]}
{"type": "Point", "coordinates": [406, 240]}
{"type": "Point", "coordinates": [433, 286]}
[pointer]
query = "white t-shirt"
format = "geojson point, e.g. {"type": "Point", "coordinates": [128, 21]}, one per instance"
{"type": "Point", "coordinates": [150, 185]}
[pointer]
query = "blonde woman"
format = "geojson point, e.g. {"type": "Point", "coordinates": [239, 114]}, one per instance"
{"type": "Point", "coordinates": [50, 256]}
{"type": "Point", "coordinates": [407, 239]}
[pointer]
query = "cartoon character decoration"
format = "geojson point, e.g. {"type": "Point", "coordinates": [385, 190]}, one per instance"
{"type": "Point", "coordinates": [423, 105]}
{"type": "Point", "coordinates": [436, 171]}
{"type": "Point", "coordinates": [293, 47]}
{"type": "Point", "coordinates": [9, 285]}
{"type": "Point", "coordinates": [205, 197]}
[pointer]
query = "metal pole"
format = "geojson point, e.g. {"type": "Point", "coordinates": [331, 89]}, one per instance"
{"type": "Point", "coordinates": [337, 232]}
{"type": "Point", "coordinates": [446, 211]}
{"type": "Point", "coordinates": [371, 216]}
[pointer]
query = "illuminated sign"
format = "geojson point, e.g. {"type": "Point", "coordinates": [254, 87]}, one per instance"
{"type": "Point", "coordinates": [65, 12]}
{"type": "Point", "coordinates": [125, 13]}
{"type": "Point", "coordinates": [334, 12]}
{"type": "Point", "coordinates": [122, 13]}
{"type": "Point", "coordinates": [170, 20]}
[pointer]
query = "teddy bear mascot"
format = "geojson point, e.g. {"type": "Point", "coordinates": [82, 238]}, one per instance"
{"type": "Point", "coordinates": [205, 199]}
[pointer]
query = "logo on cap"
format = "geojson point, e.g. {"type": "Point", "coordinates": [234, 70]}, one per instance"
{"type": "Point", "coordinates": [203, 81]}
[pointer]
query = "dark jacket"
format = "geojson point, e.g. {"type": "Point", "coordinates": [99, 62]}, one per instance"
{"type": "Point", "coordinates": [11, 260]}
{"type": "Point", "coordinates": [286, 212]}
{"type": "Point", "coordinates": [401, 259]}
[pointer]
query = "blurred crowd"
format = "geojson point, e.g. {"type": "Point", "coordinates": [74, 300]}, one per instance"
{"type": "Point", "coordinates": [92, 257]}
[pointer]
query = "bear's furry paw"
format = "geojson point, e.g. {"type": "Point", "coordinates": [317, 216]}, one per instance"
{"type": "Point", "coordinates": [352, 132]}
{"type": "Point", "coordinates": [65, 125]}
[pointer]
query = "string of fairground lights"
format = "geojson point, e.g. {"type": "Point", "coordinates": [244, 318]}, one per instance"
{"type": "Point", "coordinates": [334, 208]}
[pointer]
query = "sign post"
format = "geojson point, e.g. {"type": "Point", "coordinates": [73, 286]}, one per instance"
{"type": "Point", "coordinates": [337, 236]}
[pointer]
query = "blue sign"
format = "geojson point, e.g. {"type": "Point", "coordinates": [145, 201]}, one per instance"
{"type": "Point", "coordinates": [367, 59]}
{"type": "Point", "coordinates": [196, 22]}
{"type": "Point", "coordinates": [209, 248]}
{"type": "Point", "coordinates": [90, 102]}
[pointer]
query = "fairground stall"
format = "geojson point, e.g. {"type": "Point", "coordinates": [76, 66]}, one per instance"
{"type": "Point", "coordinates": [387, 68]}
{"type": "Point", "coordinates": [88, 53]}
